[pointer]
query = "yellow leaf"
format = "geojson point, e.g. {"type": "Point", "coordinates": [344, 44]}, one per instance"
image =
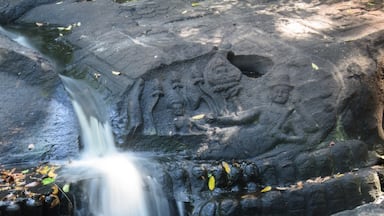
{"type": "Point", "coordinates": [338, 175]}
{"type": "Point", "coordinates": [117, 73]}
{"type": "Point", "coordinates": [52, 173]}
{"type": "Point", "coordinates": [198, 117]}
{"type": "Point", "coordinates": [315, 67]}
{"type": "Point", "coordinates": [211, 183]}
{"type": "Point", "coordinates": [194, 4]}
{"type": "Point", "coordinates": [266, 189]}
{"type": "Point", "coordinates": [55, 190]}
{"type": "Point", "coordinates": [226, 167]}
{"type": "Point", "coordinates": [43, 170]}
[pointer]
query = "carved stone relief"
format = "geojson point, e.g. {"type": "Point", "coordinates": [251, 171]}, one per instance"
{"type": "Point", "coordinates": [240, 116]}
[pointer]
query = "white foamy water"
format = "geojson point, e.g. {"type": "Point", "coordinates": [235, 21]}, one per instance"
{"type": "Point", "coordinates": [114, 185]}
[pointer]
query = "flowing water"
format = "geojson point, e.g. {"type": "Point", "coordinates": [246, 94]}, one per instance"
{"type": "Point", "coordinates": [114, 183]}
{"type": "Point", "coordinates": [115, 186]}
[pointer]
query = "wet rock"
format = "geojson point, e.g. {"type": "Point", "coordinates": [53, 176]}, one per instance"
{"type": "Point", "coordinates": [35, 108]}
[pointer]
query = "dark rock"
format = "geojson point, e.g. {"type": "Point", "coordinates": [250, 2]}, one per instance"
{"type": "Point", "coordinates": [34, 107]}
{"type": "Point", "coordinates": [10, 10]}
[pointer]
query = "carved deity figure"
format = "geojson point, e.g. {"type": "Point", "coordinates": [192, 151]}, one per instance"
{"type": "Point", "coordinates": [222, 81]}
{"type": "Point", "coordinates": [198, 93]}
{"type": "Point", "coordinates": [259, 129]}
{"type": "Point", "coordinates": [181, 120]}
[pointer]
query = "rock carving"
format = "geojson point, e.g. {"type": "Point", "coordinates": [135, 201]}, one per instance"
{"type": "Point", "coordinates": [262, 127]}
{"type": "Point", "coordinates": [155, 95]}
{"type": "Point", "coordinates": [223, 80]}
{"type": "Point", "coordinates": [380, 97]}
{"type": "Point", "coordinates": [134, 109]}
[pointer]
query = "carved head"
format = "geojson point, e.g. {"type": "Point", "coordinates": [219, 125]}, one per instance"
{"type": "Point", "coordinates": [176, 103]}
{"type": "Point", "coordinates": [220, 71]}
{"type": "Point", "coordinates": [280, 89]}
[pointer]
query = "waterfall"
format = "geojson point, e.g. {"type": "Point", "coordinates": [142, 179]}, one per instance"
{"type": "Point", "coordinates": [114, 185]}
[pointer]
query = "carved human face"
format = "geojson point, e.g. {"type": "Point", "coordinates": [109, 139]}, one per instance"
{"type": "Point", "coordinates": [280, 94]}
{"type": "Point", "coordinates": [178, 109]}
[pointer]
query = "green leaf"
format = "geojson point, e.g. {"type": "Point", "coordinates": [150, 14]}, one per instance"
{"type": "Point", "coordinates": [47, 181]}
{"type": "Point", "coordinates": [66, 188]}
{"type": "Point", "coordinates": [25, 171]}
{"type": "Point", "coordinates": [315, 67]}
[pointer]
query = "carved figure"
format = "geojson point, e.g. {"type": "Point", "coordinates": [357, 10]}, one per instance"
{"type": "Point", "coordinates": [176, 83]}
{"type": "Point", "coordinates": [181, 121]}
{"type": "Point", "coordinates": [223, 79]}
{"type": "Point", "coordinates": [197, 93]}
{"type": "Point", "coordinates": [156, 94]}
{"type": "Point", "coordinates": [380, 97]}
{"type": "Point", "coordinates": [134, 109]}
{"type": "Point", "coordinates": [262, 127]}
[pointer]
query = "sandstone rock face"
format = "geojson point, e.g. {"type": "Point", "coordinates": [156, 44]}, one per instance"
{"type": "Point", "coordinates": [34, 107]}
{"type": "Point", "coordinates": [288, 88]}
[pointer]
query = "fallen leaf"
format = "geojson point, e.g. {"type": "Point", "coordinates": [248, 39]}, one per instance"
{"type": "Point", "coordinates": [47, 181]}
{"type": "Point", "coordinates": [117, 73]}
{"type": "Point", "coordinates": [300, 185]}
{"type": "Point", "coordinates": [226, 167]}
{"type": "Point", "coordinates": [39, 24]}
{"type": "Point", "coordinates": [43, 170]}
{"type": "Point", "coordinates": [248, 196]}
{"type": "Point", "coordinates": [338, 175]}
{"type": "Point", "coordinates": [66, 188]}
{"type": "Point", "coordinates": [266, 189]}
{"type": "Point", "coordinates": [55, 202]}
{"type": "Point", "coordinates": [31, 147]}
{"type": "Point", "coordinates": [198, 117]}
{"type": "Point", "coordinates": [282, 188]}
{"type": "Point", "coordinates": [315, 67]}
{"type": "Point", "coordinates": [25, 171]}
{"type": "Point", "coordinates": [52, 173]}
{"type": "Point", "coordinates": [55, 190]}
{"type": "Point", "coordinates": [68, 28]}
{"type": "Point", "coordinates": [194, 4]}
{"type": "Point", "coordinates": [211, 183]}
{"type": "Point", "coordinates": [32, 184]}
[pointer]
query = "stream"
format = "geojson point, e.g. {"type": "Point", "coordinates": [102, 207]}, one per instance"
{"type": "Point", "coordinates": [112, 182]}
